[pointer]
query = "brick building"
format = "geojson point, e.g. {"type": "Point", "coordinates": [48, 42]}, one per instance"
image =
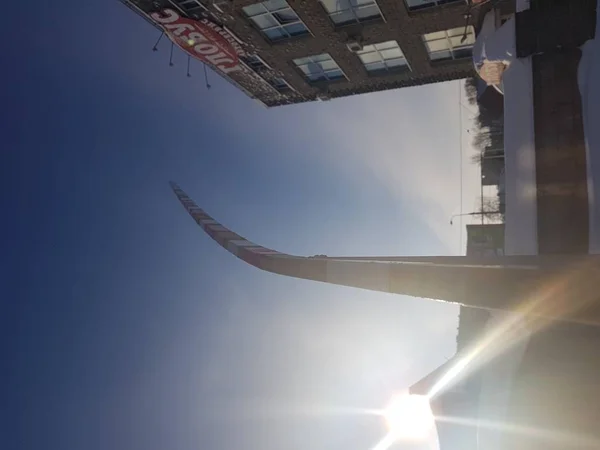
{"type": "Point", "coordinates": [281, 52]}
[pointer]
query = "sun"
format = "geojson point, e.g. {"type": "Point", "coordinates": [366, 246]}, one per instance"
{"type": "Point", "coordinates": [409, 417]}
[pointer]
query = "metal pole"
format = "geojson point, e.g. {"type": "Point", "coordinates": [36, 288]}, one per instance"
{"type": "Point", "coordinates": [473, 214]}
{"type": "Point", "coordinates": [481, 180]}
{"type": "Point", "coordinates": [206, 77]}
{"type": "Point", "coordinates": [460, 161]}
{"type": "Point", "coordinates": [155, 48]}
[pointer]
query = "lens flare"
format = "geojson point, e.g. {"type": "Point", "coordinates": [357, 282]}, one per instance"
{"type": "Point", "coordinates": [409, 417]}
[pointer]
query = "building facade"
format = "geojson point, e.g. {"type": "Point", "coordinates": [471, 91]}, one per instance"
{"type": "Point", "coordinates": [290, 51]}
{"type": "Point", "coordinates": [485, 239]}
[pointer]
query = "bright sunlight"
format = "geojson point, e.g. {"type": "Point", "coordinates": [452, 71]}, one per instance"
{"type": "Point", "coordinates": [409, 417]}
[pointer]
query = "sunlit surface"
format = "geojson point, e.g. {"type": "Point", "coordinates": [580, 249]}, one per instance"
{"type": "Point", "coordinates": [566, 438]}
{"type": "Point", "coordinates": [503, 333]}
{"type": "Point", "coordinates": [409, 417]}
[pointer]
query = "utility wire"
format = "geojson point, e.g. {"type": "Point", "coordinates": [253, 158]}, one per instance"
{"type": "Point", "coordinates": [460, 150]}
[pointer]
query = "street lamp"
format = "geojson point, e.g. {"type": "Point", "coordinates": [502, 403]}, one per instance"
{"type": "Point", "coordinates": [467, 214]}
{"type": "Point", "coordinates": [483, 213]}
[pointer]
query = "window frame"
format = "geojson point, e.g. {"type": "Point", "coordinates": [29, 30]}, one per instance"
{"type": "Point", "coordinates": [194, 10]}
{"type": "Point", "coordinates": [216, 4]}
{"type": "Point", "coordinates": [260, 60]}
{"type": "Point", "coordinates": [288, 85]}
{"type": "Point", "coordinates": [431, 4]}
{"type": "Point", "coordinates": [280, 26]}
{"type": "Point", "coordinates": [297, 66]}
{"type": "Point", "coordinates": [356, 20]}
{"type": "Point", "coordinates": [387, 69]}
{"type": "Point", "coordinates": [450, 48]}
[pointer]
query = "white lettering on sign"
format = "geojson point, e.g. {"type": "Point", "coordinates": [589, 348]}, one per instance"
{"type": "Point", "coordinates": [168, 16]}
{"type": "Point", "coordinates": [178, 28]}
{"type": "Point", "coordinates": [219, 58]}
{"type": "Point", "coordinates": [196, 37]}
{"type": "Point", "coordinates": [206, 49]}
{"type": "Point", "coordinates": [202, 39]}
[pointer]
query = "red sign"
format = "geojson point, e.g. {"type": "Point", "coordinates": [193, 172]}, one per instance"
{"type": "Point", "coordinates": [201, 39]}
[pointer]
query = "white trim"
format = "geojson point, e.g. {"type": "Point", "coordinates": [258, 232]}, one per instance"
{"type": "Point", "coordinates": [519, 150]}
{"type": "Point", "coordinates": [179, 8]}
{"type": "Point", "coordinates": [256, 55]}
{"type": "Point", "coordinates": [233, 35]}
{"type": "Point", "coordinates": [286, 82]}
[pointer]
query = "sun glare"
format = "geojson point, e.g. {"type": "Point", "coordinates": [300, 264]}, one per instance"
{"type": "Point", "coordinates": [409, 417]}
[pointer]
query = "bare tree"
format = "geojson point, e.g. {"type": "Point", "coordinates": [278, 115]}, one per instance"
{"type": "Point", "coordinates": [487, 134]}
{"type": "Point", "coordinates": [482, 139]}
{"type": "Point", "coordinates": [477, 158]}
{"type": "Point", "coordinates": [489, 208]}
{"type": "Point", "coordinates": [471, 90]}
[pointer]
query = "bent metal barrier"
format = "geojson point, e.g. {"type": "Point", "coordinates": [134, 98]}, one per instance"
{"type": "Point", "coordinates": [549, 286]}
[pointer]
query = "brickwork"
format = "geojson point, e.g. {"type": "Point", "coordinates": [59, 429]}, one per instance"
{"type": "Point", "coordinates": [398, 24]}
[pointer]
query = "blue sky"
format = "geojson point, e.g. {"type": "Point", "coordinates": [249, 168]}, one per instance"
{"type": "Point", "coordinates": [124, 326]}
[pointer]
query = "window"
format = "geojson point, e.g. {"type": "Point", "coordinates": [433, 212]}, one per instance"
{"type": "Point", "coordinates": [420, 4]}
{"type": "Point", "coordinates": [255, 62]}
{"type": "Point", "coordinates": [450, 44]}
{"type": "Point", "coordinates": [190, 6]}
{"type": "Point", "coordinates": [382, 57]}
{"type": "Point", "coordinates": [281, 85]}
{"type": "Point", "coordinates": [319, 67]}
{"type": "Point", "coordinates": [219, 5]}
{"type": "Point", "coordinates": [343, 12]}
{"type": "Point", "coordinates": [276, 20]}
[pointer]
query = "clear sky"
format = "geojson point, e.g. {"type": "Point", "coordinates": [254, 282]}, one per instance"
{"type": "Point", "coordinates": [124, 326]}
